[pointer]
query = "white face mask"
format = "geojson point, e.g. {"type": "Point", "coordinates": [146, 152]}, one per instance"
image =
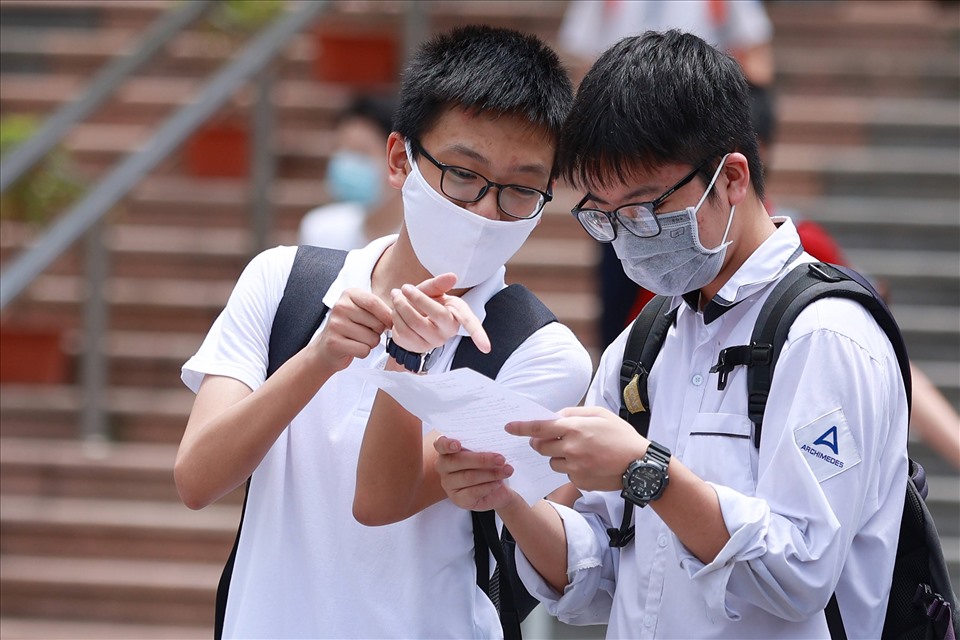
{"type": "Point", "coordinates": [674, 262]}
{"type": "Point", "coordinates": [448, 238]}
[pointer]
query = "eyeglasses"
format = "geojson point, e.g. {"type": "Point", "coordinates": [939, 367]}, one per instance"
{"type": "Point", "coordinates": [464, 185]}
{"type": "Point", "coordinates": [637, 218]}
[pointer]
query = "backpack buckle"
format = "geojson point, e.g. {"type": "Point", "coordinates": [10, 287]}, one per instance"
{"type": "Point", "coordinates": [817, 269]}
{"type": "Point", "coordinates": [620, 538]}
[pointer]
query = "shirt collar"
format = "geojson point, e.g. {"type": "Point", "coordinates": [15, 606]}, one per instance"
{"type": "Point", "coordinates": [766, 264]}
{"type": "Point", "coordinates": [358, 269]}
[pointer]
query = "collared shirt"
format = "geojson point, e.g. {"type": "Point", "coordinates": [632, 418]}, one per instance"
{"type": "Point", "coordinates": [304, 567]}
{"type": "Point", "coordinates": [815, 510]}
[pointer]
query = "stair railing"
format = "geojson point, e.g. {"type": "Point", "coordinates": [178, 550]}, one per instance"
{"type": "Point", "coordinates": [86, 217]}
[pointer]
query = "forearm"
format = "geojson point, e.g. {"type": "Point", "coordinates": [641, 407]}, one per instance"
{"type": "Point", "coordinates": [538, 531]}
{"type": "Point", "coordinates": [934, 419]}
{"type": "Point", "coordinates": [395, 474]}
{"type": "Point", "coordinates": [230, 428]}
{"type": "Point", "coordinates": [689, 506]}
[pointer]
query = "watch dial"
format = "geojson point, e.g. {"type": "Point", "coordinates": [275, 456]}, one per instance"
{"type": "Point", "coordinates": [644, 481]}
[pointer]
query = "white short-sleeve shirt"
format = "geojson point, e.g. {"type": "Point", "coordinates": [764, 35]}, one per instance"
{"type": "Point", "coordinates": [304, 567]}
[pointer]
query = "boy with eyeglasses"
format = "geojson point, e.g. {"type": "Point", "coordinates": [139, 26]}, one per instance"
{"type": "Point", "coordinates": [486, 105]}
{"type": "Point", "coordinates": [729, 540]}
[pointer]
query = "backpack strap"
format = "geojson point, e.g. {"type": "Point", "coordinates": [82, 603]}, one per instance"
{"type": "Point", "coordinates": [647, 334]}
{"type": "Point", "coordinates": [513, 315]}
{"type": "Point", "coordinates": [299, 314]}
{"type": "Point", "coordinates": [644, 342]}
{"type": "Point", "coordinates": [301, 308]}
{"type": "Point", "coordinates": [805, 284]}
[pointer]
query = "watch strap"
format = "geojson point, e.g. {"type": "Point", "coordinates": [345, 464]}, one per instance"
{"type": "Point", "coordinates": [411, 360]}
{"type": "Point", "coordinates": [658, 453]}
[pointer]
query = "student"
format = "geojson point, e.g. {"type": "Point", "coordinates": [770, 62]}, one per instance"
{"type": "Point", "coordinates": [481, 102]}
{"type": "Point", "coordinates": [734, 541]}
{"type": "Point", "coordinates": [363, 206]}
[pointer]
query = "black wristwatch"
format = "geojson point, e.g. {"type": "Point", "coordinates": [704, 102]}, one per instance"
{"type": "Point", "coordinates": [412, 361]}
{"type": "Point", "coordinates": [646, 479]}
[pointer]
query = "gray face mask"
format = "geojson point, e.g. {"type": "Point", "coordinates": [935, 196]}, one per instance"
{"type": "Point", "coordinates": [674, 262]}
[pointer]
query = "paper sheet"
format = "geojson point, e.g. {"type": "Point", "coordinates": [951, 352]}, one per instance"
{"type": "Point", "coordinates": [473, 409]}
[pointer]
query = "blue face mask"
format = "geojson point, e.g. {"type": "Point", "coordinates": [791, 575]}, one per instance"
{"type": "Point", "coordinates": [353, 177]}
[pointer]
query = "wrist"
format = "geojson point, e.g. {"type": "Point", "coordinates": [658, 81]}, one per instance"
{"type": "Point", "coordinates": [410, 360]}
{"type": "Point", "coordinates": [513, 507]}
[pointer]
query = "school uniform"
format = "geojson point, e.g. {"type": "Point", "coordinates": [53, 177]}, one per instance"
{"type": "Point", "coordinates": [815, 510]}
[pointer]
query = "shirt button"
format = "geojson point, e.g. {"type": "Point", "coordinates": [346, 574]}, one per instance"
{"type": "Point", "coordinates": [662, 541]}
{"type": "Point", "coordinates": [648, 621]}
{"type": "Point", "coordinates": [697, 380]}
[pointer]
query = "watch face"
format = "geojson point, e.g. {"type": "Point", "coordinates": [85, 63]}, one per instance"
{"type": "Point", "coordinates": [645, 481]}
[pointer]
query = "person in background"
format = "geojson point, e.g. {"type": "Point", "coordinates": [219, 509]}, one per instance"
{"type": "Point", "coordinates": [363, 206]}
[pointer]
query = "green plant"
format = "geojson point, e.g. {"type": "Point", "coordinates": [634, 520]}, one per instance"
{"type": "Point", "coordinates": [47, 188]}
{"type": "Point", "coordinates": [239, 17]}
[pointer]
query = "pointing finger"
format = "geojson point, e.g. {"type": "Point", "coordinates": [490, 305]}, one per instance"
{"type": "Point", "coordinates": [471, 323]}
{"type": "Point", "coordinates": [438, 285]}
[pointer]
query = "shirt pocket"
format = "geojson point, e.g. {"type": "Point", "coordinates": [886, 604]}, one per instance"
{"type": "Point", "coordinates": [719, 449]}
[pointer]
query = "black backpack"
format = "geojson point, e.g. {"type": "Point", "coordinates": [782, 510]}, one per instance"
{"type": "Point", "coordinates": [512, 315]}
{"type": "Point", "coordinates": [922, 602]}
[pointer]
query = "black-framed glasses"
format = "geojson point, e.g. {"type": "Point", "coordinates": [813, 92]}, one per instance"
{"type": "Point", "coordinates": [464, 185]}
{"type": "Point", "coordinates": [638, 218]}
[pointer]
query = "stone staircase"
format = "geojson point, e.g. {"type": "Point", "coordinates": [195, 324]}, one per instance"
{"type": "Point", "coordinates": [93, 540]}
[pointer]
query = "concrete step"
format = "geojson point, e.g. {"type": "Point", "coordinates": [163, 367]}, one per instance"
{"type": "Point", "coordinates": [871, 70]}
{"type": "Point", "coordinates": [121, 590]}
{"type": "Point", "coordinates": [147, 100]}
{"type": "Point", "coordinates": [45, 629]}
{"type": "Point", "coordinates": [851, 24]}
{"type": "Point", "coordinates": [901, 172]}
{"type": "Point", "coordinates": [74, 468]}
{"type": "Point", "coordinates": [104, 528]}
{"type": "Point", "coordinates": [135, 414]}
{"type": "Point", "coordinates": [880, 222]}
{"type": "Point", "coordinates": [912, 277]}
{"type": "Point", "coordinates": [871, 120]}
{"type": "Point", "coordinates": [81, 14]}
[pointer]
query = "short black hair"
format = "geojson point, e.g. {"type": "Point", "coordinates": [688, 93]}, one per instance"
{"type": "Point", "coordinates": [655, 99]}
{"type": "Point", "coordinates": [377, 109]}
{"type": "Point", "coordinates": [486, 70]}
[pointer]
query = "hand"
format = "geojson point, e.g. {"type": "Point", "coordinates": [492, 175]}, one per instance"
{"type": "Point", "coordinates": [424, 317]}
{"type": "Point", "coordinates": [590, 444]}
{"type": "Point", "coordinates": [354, 327]}
{"type": "Point", "coordinates": [472, 480]}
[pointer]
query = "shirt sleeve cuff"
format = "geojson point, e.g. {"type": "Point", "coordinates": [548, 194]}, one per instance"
{"type": "Point", "coordinates": [588, 596]}
{"type": "Point", "coordinates": [746, 520]}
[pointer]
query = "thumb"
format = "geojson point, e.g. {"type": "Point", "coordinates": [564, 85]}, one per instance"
{"type": "Point", "coordinates": [438, 285]}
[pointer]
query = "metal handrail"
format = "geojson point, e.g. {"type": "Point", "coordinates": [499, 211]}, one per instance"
{"type": "Point", "coordinates": [84, 215]}
{"type": "Point", "coordinates": [102, 86]}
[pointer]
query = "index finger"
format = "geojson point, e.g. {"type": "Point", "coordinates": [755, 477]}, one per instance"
{"type": "Point", "coordinates": [374, 306]}
{"type": "Point", "coordinates": [471, 323]}
{"type": "Point", "coordinates": [438, 285]}
{"type": "Point", "coordinates": [535, 428]}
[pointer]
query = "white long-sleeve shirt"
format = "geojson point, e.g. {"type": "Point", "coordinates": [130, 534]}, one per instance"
{"type": "Point", "coordinates": [815, 510]}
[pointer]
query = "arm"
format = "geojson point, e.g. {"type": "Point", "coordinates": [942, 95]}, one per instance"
{"type": "Point", "coordinates": [474, 481]}
{"type": "Point", "coordinates": [593, 447]}
{"type": "Point", "coordinates": [231, 428]}
{"type": "Point", "coordinates": [395, 472]}
{"type": "Point", "coordinates": [934, 419]}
